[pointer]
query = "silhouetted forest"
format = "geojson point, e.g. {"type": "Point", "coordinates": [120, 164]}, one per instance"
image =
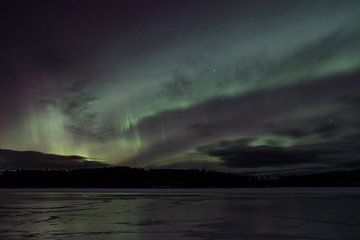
{"type": "Point", "coordinates": [328, 179]}
{"type": "Point", "coordinates": [123, 177]}
{"type": "Point", "coordinates": [126, 177]}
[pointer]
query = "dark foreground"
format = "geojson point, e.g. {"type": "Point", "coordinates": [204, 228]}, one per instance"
{"type": "Point", "coordinates": [272, 213]}
{"type": "Point", "coordinates": [126, 177]}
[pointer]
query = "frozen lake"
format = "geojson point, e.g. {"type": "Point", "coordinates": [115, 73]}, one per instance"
{"type": "Point", "coordinates": [274, 213]}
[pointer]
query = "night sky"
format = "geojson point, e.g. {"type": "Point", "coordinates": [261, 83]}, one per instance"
{"type": "Point", "coordinates": [246, 86]}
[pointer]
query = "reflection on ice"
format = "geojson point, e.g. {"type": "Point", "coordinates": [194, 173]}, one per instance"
{"type": "Point", "coordinates": [181, 214]}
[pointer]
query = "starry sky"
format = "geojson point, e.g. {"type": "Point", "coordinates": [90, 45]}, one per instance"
{"type": "Point", "coordinates": [247, 86]}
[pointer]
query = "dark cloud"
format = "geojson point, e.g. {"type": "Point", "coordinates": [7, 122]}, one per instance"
{"type": "Point", "coordinates": [354, 104]}
{"type": "Point", "coordinates": [341, 154]}
{"type": "Point", "coordinates": [238, 155]}
{"type": "Point", "coordinates": [327, 129]}
{"type": "Point", "coordinates": [10, 159]}
{"type": "Point", "coordinates": [350, 164]}
{"type": "Point", "coordinates": [324, 127]}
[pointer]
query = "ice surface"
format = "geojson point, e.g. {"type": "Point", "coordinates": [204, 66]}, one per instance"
{"type": "Point", "coordinates": [328, 213]}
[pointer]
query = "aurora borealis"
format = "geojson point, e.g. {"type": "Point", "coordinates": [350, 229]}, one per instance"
{"type": "Point", "coordinates": [255, 86]}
